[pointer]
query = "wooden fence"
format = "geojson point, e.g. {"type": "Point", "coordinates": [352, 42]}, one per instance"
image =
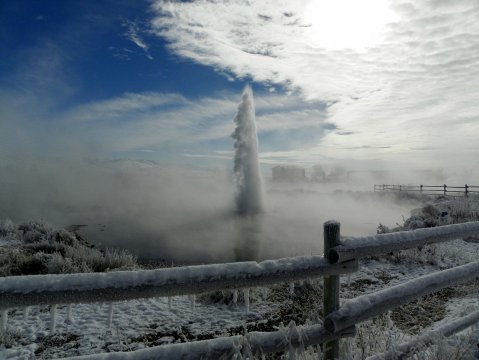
{"type": "Point", "coordinates": [341, 257]}
{"type": "Point", "coordinates": [438, 190]}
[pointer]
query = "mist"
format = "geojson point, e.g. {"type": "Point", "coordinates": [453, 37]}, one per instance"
{"type": "Point", "coordinates": [180, 213]}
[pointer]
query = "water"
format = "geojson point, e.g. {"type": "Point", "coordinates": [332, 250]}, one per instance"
{"type": "Point", "coordinates": [249, 197]}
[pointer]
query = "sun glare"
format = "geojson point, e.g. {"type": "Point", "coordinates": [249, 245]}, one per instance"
{"type": "Point", "coordinates": [341, 24]}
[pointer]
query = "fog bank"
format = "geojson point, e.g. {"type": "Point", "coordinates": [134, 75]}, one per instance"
{"type": "Point", "coordinates": [181, 214]}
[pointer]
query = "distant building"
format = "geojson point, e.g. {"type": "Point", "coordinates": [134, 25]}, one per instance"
{"type": "Point", "coordinates": [318, 173]}
{"type": "Point", "coordinates": [288, 173]}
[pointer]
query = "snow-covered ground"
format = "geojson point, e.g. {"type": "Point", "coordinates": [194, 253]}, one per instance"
{"type": "Point", "coordinates": [135, 324]}
{"type": "Point", "coordinates": [143, 323]}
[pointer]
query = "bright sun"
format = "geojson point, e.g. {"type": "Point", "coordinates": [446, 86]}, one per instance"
{"type": "Point", "coordinates": [341, 24]}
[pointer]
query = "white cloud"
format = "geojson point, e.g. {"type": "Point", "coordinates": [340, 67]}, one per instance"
{"type": "Point", "coordinates": [172, 123]}
{"type": "Point", "coordinates": [412, 88]}
{"type": "Point", "coordinates": [133, 34]}
{"type": "Point", "coordinates": [126, 104]}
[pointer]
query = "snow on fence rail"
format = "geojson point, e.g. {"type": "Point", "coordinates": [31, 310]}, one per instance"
{"type": "Point", "coordinates": [358, 247]}
{"type": "Point", "coordinates": [254, 343]}
{"type": "Point", "coordinates": [369, 305]}
{"type": "Point", "coordinates": [445, 190]}
{"type": "Point", "coordinates": [22, 291]}
{"type": "Point", "coordinates": [341, 258]}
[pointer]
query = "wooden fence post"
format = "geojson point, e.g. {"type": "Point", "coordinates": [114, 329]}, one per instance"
{"type": "Point", "coordinates": [331, 286]}
{"type": "Point", "coordinates": [445, 189]}
{"type": "Point", "coordinates": [466, 190]}
{"type": "Point", "coordinates": [420, 187]}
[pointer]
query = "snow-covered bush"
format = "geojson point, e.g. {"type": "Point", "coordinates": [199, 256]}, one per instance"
{"type": "Point", "coordinates": [40, 248]}
{"type": "Point", "coordinates": [9, 338]}
{"type": "Point", "coordinates": [373, 336]}
{"type": "Point", "coordinates": [440, 211]}
{"type": "Point", "coordinates": [8, 230]}
{"type": "Point", "coordinates": [426, 217]}
{"type": "Point", "coordinates": [380, 334]}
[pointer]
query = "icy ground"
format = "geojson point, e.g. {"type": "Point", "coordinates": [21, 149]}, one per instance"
{"type": "Point", "coordinates": [135, 325]}
{"type": "Point", "coordinates": [144, 323]}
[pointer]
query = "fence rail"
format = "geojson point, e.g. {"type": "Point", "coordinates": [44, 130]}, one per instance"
{"type": "Point", "coordinates": [21, 291]}
{"type": "Point", "coordinates": [367, 306]}
{"type": "Point", "coordinates": [255, 343]}
{"type": "Point", "coordinates": [359, 247]}
{"type": "Point", "coordinates": [444, 190]}
{"type": "Point", "coordinates": [341, 258]}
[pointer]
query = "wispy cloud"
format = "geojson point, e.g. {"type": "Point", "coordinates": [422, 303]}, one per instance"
{"type": "Point", "coordinates": [158, 125]}
{"type": "Point", "coordinates": [170, 121]}
{"type": "Point", "coordinates": [415, 86]}
{"type": "Point", "coordinates": [133, 34]}
{"type": "Point", "coordinates": [126, 105]}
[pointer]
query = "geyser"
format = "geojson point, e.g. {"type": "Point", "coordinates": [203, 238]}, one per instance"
{"type": "Point", "coordinates": [249, 197]}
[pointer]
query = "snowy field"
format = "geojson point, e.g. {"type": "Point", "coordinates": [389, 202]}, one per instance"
{"type": "Point", "coordinates": [142, 323]}
{"type": "Point", "coordinates": [87, 328]}
{"type": "Point", "coordinates": [135, 324]}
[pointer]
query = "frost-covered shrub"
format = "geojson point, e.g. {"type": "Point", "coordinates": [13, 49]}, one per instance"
{"type": "Point", "coordinates": [39, 248]}
{"type": "Point", "coordinates": [420, 218]}
{"type": "Point", "coordinates": [256, 294]}
{"type": "Point", "coordinates": [429, 216]}
{"type": "Point", "coordinates": [56, 263]}
{"type": "Point", "coordinates": [458, 347]}
{"type": "Point", "coordinates": [432, 255]}
{"type": "Point", "coordinates": [462, 209]}
{"type": "Point", "coordinates": [32, 236]}
{"type": "Point", "coordinates": [414, 222]}
{"type": "Point", "coordinates": [442, 211]}
{"type": "Point", "coordinates": [8, 230]}
{"type": "Point", "coordinates": [380, 335]}
{"type": "Point", "coordinates": [373, 336]}
{"type": "Point", "coordinates": [430, 211]}
{"type": "Point", "coordinates": [383, 229]}
{"type": "Point", "coordinates": [12, 261]}
{"type": "Point", "coordinates": [9, 338]}
{"type": "Point", "coordinates": [219, 297]}
{"type": "Point", "coordinates": [107, 260]}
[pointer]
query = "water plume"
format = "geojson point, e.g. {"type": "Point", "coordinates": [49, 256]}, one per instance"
{"type": "Point", "coordinates": [249, 197]}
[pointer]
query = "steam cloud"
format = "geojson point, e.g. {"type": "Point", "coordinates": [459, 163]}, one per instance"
{"type": "Point", "coordinates": [249, 199]}
{"type": "Point", "coordinates": [180, 213]}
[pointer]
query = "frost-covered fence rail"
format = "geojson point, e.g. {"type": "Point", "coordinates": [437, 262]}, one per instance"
{"type": "Point", "coordinates": [445, 190]}
{"type": "Point", "coordinates": [21, 291]}
{"type": "Point", "coordinates": [367, 306]}
{"type": "Point", "coordinates": [359, 247]}
{"type": "Point", "coordinates": [256, 343]}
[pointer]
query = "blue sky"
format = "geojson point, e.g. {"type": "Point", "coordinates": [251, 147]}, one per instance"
{"type": "Point", "coordinates": [95, 50]}
{"type": "Point", "coordinates": [374, 85]}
